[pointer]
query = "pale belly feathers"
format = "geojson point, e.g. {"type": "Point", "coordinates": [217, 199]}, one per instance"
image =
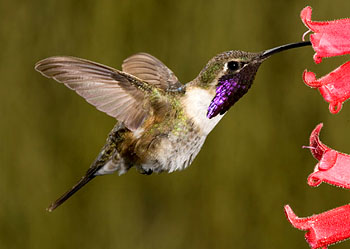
{"type": "Point", "coordinates": [177, 151]}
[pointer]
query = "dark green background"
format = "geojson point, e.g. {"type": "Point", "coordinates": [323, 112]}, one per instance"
{"type": "Point", "coordinates": [251, 165]}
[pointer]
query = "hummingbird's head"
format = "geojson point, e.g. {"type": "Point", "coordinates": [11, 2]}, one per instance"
{"type": "Point", "coordinates": [231, 74]}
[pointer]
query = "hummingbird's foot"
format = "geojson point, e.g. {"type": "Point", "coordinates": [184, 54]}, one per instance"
{"type": "Point", "coordinates": [146, 171]}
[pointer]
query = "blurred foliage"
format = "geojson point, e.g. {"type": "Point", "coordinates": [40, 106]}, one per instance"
{"type": "Point", "coordinates": [251, 165]}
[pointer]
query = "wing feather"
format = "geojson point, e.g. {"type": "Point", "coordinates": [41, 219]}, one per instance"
{"type": "Point", "coordinates": [116, 93]}
{"type": "Point", "coordinates": [151, 70]}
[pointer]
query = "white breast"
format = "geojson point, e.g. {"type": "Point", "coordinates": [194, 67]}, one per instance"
{"type": "Point", "coordinates": [177, 153]}
{"type": "Point", "coordinates": [196, 102]}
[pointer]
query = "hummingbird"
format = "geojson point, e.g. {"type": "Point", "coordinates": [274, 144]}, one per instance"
{"type": "Point", "coordinates": [161, 123]}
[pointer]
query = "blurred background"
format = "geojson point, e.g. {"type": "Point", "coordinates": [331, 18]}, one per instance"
{"type": "Point", "coordinates": [251, 165]}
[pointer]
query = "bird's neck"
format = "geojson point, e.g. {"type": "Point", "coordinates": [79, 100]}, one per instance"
{"type": "Point", "coordinates": [196, 102]}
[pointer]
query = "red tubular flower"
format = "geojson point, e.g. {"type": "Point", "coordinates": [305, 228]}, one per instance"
{"type": "Point", "coordinates": [333, 167]}
{"type": "Point", "coordinates": [334, 87]}
{"type": "Point", "coordinates": [330, 38]}
{"type": "Point", "coordinates": [323, 229]}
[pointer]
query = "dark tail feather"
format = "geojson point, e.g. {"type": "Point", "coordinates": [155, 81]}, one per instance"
{"type": "Point", "coordinates": [88, 177]}
{"type": "Point", "coordinates": [105, 155]}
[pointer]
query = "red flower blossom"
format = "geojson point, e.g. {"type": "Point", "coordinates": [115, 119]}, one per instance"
{"type": "Point", "coordinates": [330, 38]}
{"type": "Point", "coordinates": [334, 87]}
{"type": "Point", "coordinates": [333, 167]}
{"type": "Point", "coordinates": [323, 229]}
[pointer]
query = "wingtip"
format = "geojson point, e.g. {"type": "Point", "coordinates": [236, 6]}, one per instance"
{"type": "Point", "coordinates": [37, 65]}
{"type": "Point", "coordinates": [50, 60]}
{"type": "Point", "coordinates": [40, 63]}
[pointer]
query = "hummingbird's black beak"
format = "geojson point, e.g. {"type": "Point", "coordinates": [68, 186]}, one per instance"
{"type": "Point", "coordinates": [267, 53]}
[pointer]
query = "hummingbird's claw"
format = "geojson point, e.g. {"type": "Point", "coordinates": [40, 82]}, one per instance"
{"type": "Point", "coordinates": [146, 171]}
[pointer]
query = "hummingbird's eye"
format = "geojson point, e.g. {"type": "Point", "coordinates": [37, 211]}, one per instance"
{"type": "Point", "coordinates": [232, 65]}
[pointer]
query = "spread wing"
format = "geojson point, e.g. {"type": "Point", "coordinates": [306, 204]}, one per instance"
{"type": "Point", "coordinates": [151, 70]}
{"type": "Point", "coordinates": [116, 93]}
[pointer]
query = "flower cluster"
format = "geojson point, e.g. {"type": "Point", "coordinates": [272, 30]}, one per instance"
{"type": "Point", "coordinates": [330, 38]}
{"type": "Point", "coordinates": [333, 167]}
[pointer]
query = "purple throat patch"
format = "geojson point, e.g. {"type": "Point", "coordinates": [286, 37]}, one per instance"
{"type": "Point", "coordinates": [228, 92]}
